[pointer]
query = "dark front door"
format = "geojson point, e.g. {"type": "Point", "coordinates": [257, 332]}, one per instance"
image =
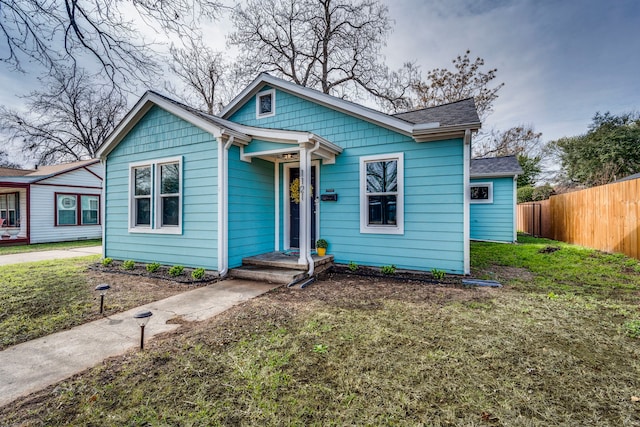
{"type": "Point", "coordinates": [294, 209]}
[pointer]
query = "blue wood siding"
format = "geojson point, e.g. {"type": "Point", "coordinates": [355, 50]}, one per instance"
{"type": "Point", "coordinates": [158, 135]}
{"type": "Point", "coordinates": [251, 207]}
{"type": "Point", "coordinates": [434, 186]}
{"type": "Point", "coordinates": [494, 221]}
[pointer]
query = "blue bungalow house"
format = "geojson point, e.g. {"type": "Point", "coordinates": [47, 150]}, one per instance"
{"type": "Point", "coordinates": [493, 198]}
{"type": "Point", "coordinates": [184, 187]}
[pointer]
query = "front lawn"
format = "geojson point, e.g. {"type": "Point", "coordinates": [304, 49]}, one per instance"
{"type": "Point", "coordinates": [40, 298]}
{"type": "Point", "coordinates": [558, 345]}
{"type": "Point", "coordinates": [19, 249]}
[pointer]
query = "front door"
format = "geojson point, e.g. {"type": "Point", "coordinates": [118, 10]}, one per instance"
{"type": "Point", "coordinates": [294, 208]}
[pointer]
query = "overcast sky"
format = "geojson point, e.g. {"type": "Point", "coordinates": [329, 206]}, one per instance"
{"type": "Point", "coordinates": [561, 61]}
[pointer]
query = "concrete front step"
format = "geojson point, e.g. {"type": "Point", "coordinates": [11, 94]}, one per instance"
{"type": "Point", "coordinates": [268, 274]}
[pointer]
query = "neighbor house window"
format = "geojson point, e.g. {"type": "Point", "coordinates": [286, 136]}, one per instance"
{"type": "Point", "coordinates": [266, 103]}
{"type": "Point", "coordinates": [382, 194]}
{"type": "Point", "coordinates": [481, 192]}
{"type": "Point", "coordinates": [77, 209]}
{"type": "Point", "coordinates": [10, 209]}
{"type": "Point", "coordinates": [156, 196]}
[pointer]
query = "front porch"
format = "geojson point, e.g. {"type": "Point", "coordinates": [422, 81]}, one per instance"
{"type": "Point", "coordinates": [279, 267]}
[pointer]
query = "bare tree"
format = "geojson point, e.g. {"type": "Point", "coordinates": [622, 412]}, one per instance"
{"type": "Point", "coordinates": [331, 45]}
{"type": "Point", "coordinates": [60, 33]}
{"type": "Point", "coordinates": [467, 80]}
{"type": "Point", "coordinates": [5, 162]}
{"type": "Point", "coordinates": [209, 81]}
{"type": "Point", "coordinates": [67, 122]}
{"type": "Point", "coordinates": [522, 139]}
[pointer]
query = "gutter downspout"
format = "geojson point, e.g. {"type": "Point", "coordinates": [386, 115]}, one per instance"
{"type": "Point", "coordinates": [466, 148]}
{"type": "Point", "coordinates": [310, 261]}
{"type": "Point", "coordinates": [223, 205]}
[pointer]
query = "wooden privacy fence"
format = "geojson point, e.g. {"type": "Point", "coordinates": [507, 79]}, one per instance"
{"type": "Point", "coordinates": [533, 218]}
{"type": "Point", "coordinates": [605, 217]}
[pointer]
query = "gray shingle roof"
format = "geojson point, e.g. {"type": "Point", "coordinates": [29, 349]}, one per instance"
{"type": "Point", "coordinates": [455, 113]}
{"type": "Point", "coordinates": [495, 166]}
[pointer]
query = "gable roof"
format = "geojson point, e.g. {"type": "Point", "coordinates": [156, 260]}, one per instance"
{"type": "Point", "coordinates": [14, 172]}
{"type": "Point", "coordinates": [215, 125]}
{"type": "Point", "coordinates": [423, 127]}
{"type": "Point", "coordinates": [45, 172]}
{"type": "Point", "coordinates": [451, 114]}
{"type": "Point", "coordinates": [495, 167]}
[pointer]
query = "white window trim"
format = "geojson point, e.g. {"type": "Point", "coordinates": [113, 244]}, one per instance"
{"type": "Point", "coordinates": [489, 185]}
{"type": "Point", "coordinates": [156, 215]}
{"type": "Point", "coordinates": [365, 227]}
{"type": "Point", "coordinates": [271, 92]}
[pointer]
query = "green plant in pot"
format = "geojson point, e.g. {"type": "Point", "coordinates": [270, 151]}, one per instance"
{"type": "Point", "coordinates": [321, 247]}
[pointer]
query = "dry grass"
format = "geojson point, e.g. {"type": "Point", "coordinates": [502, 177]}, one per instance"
{"type": "Point", "coordinates": [357, 351]}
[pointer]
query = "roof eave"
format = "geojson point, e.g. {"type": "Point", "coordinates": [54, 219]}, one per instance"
{"type": "Point", "coordinates": [494, 175]}
{"type": "Point", "coordinates": [444, 132]}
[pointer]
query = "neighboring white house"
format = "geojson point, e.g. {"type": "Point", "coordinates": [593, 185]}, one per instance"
{"type": "Point", "coordinates": [51, 203]}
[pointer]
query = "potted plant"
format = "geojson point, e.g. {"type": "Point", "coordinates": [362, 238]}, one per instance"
{"type": "Point", "coordinates": [321, 247]}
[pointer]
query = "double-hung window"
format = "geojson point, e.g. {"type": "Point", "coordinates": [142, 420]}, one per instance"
{"type": "Point", "coordinates": [382, 194]}
{"type": "Point", "coordinates": [10, 209]}
{"type": "Point", "coordinates": [77, 209]}
{"type": "Point", "coordinates": [156, 196]}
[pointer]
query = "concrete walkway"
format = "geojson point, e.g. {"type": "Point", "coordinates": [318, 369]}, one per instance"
{"type": "Point", "coordinates": [34, 365]}
{"type": "Point", "coordinates": [47, 255]}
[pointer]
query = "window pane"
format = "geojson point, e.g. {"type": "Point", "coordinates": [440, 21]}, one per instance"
{"type": "Point", "coordinates": [143, 211]}
{"type": "Point", "coordinates": [11, 201]}
{"type": "Point", "coordinates": [170, 179]}
{"type": "Point", "coordinates": [382, 177]}
{"type": "Point", "coordinates": [89, 209]}
{"type": "Point", "coordinates": [67, 217]}
{"type": "Point", "coordinates": [265, 104]}
{"type": "Point", "coordinates": [480, 193]}
{"type": "Point", "coordinates": [3, 201]}
{"type": "Point", "coordinates": [66, 209]}
{"type": "Point", "coordinates": [143, 181]}
{"type": "Point", "coordinates": [382, 210]}
{"type": "Point", "coordinates": [170, 210]}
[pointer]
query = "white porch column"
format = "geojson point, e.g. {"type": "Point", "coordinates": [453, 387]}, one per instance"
{"type": "Point", "coordinates": [305, 212]}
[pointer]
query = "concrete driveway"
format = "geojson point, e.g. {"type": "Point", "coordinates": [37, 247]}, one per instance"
{"type": "Point", "coordinates": [47, 255]}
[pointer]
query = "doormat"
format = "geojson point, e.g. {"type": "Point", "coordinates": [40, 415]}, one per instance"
{"type": "Point", "coordinates": [292, 252]}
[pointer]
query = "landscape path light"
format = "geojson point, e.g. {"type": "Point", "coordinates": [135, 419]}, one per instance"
{"type": "Point", "coordinates": [103, 288]}
{"type": "Point", "coordinates": [142, 317]}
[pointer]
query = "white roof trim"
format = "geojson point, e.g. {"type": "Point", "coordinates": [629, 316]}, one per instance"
{"type": "Point", "coordinates": [494, 175]}
{"type": "Point", "coordinates": [144, 105]}
{"type": "Point", "coordinates": [347, 107]}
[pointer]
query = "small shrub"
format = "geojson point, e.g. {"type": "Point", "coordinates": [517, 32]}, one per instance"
{"type": "Point", "coordinates": [438, 274]}
{"type": "Point", "coordinates": [632, 328]}
{"type": "Point", "coordinates": [153, 267]}
{"type": "Point", "coordinates": [176, 270]}
{"type": "Point", "coordinates": [106, 262]}
{"type": "Point", "coordinates": [198, 273]}
{"type": "Point", "coordinates": [388, 269]}
{"type": "Point", "coordinates": [353, 266]}
{"type": "Point", "coordinates": [128, 264]}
